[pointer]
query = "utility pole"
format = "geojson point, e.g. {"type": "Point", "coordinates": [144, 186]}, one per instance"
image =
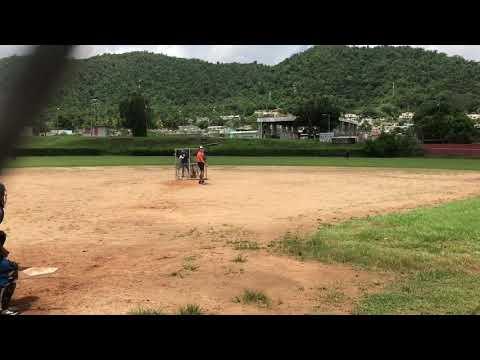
{"type": "Point", "coordinates": [56, 120]}
{"type": "Point", "coordinates": [96, 114]}
{"type": "Point", "coordinates": [94, 104]}
{"type": "Point", "coordinates": [393, 89]}
{"type": "Point", "coordinates": [146, 115]}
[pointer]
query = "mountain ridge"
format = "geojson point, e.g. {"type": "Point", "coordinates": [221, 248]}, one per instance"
{"type": "Point", "coordinates": [381, 79]}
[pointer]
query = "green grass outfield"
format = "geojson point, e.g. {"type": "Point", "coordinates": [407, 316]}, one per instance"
{"type": "Point", "coordinates": [433, 253]}
{"type": "Point", "coordinates": [112, 160]}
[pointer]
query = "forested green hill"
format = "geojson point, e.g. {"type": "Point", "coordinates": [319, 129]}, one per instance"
{"type": "Point", "coordinates": [360, 78]}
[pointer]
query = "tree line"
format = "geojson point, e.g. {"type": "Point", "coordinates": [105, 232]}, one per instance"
{"type": "Point", "coordinates": [377, 81]}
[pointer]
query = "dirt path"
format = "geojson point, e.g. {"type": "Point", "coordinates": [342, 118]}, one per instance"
{"type": "Point", "coordinates": [124, 237]}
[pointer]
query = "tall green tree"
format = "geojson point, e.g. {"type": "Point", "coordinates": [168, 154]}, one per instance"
{"type": "Point", "coordinates": [444, 122]}
{"type": "Point", "coordinates": [202, 124]}
{"type": "Point", "coordinates": [321, 114]}
{"type": "Point", "coordinates": [136, 114]}
{"type": "Point", "coordinates": [64, 122]}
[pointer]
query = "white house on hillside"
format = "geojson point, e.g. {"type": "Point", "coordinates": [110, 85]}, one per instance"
{"type": "Point", "coordinates": [98, 131]}
{"type": "Point", "coordinates": [60, 132]}
{"type": "Point", "coordinates": [351, 117]}
{"type": "Point", "coordinates": [230, 117]}
{"type": "Point", "coordinates": [474, 116]}
{"type": "Point", "coordinates": [406, 116]}
{"type": "Point", "coordinates": [268, 113]}
{"type": "Point", "coordinates": [189, 129]}
{"type": "Point", "coordinates": [217, 130]}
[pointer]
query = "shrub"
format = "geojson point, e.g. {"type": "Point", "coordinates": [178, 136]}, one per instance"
{"type": "Point", "coordinates": [253, 297]}
{"type": "Point", "coordinates": [391, 145]}
{"type": "Point", "coordinates": [56, 151]}
{"type": "Point", "coordinates": [239, 259]}
{"type": "Point", "coordinates": [165, 145]}
{"type": "Point", "coordinates": [144, 311]}
{"type": "Point", "coordinates": [445, 121]}
{"type": "Point", "coordinates": [191, 309]}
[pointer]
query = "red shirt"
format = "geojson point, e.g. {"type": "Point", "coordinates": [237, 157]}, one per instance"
{"type": "Point", "coordinates": [200, 156]}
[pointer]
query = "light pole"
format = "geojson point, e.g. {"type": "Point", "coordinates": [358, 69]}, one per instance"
{"type": "Point", "coordinates": [146, 115]}
{"type": "Point", "coordinates": [94, 104]}
{"type": "Point", "coordinates": [56, 119]}
{"type": "Point", "coordinates": [139, 81]}
{"type": "Point", "coordinates": [328, 114]}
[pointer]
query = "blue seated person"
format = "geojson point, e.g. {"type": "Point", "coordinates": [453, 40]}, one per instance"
{"type": "Point", "coordinates": [8, 269]}
{"type": "Point", "coordinates": [8, 278]}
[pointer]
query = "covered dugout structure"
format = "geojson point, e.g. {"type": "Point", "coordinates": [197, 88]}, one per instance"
{"type": "Point", "coordinates": [287, 127]}
{"type": "Point", "coordinates": [281, 127]}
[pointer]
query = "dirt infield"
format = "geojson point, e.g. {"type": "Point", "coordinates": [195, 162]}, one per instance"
{"type": "Point", "coordinates": [128, 237]}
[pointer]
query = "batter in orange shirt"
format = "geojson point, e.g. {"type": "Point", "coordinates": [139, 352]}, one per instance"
{"type": "Point", "coordinates": [201, 164]}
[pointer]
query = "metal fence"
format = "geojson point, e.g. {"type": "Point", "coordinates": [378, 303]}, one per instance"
{"type": "Point", "coordinates": [186, 167]}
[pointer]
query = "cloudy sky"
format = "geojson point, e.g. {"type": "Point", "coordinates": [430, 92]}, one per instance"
{"type": "Point", "coordinates": [266, 54]}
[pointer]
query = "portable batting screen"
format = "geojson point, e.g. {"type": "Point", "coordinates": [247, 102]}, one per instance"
{"type": "Point", "coordinates": [186, 167]}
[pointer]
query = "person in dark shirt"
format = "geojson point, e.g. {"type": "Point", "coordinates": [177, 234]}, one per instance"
{"type": "Point", "coordinates": [8, 269]}
{"type": "Point", "coordinates": [8, 278]}
{"type": "Point", "coordinates": [184, 162]}
{"type": "Point", "coordinates": [3, 201]}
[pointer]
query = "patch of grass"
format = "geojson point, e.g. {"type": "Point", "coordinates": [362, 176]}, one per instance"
{"type": "Point", "coordinates": [188, 263]}
{"type": "Point", "coordinates": [476, 311]}
{"type": "Point", "coordinates": [191, 309]}
{"type": "Point", "coordinates": [119, 160]}
{"type": "Point", "coordinates": [334, 297]}
{"type": "Point", "coordinates": [190, 267]}
{"type": "Point", "coordinates": [145, 311]}
{"type": "Point", "coordinates": [427, 293]}
{"type": "Point", "coordinates": [245, 245]}
{"type": "Point", "coordinates": [239, 259]}
{"type": "Point", "coordinates": [433, 252]}
{"type": "Point", "coordinates": [445, 237]}
{"type": "Point", "coordinates": [253, 297]}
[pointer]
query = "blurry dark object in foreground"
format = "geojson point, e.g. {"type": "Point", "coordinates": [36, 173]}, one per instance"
{"type": "Point", "coordinates": [31, 91]}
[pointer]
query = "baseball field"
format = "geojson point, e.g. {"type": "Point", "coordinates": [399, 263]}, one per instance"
{"type": "Point", "coordinates": [368, 237]}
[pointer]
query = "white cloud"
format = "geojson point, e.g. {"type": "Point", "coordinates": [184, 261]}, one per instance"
{"type": "Point", "coordinates": [266, 54]}
{"type": "Point", "coordinates": [470, 52]}
{"type": "Point", "coordinates": [10, 50]}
